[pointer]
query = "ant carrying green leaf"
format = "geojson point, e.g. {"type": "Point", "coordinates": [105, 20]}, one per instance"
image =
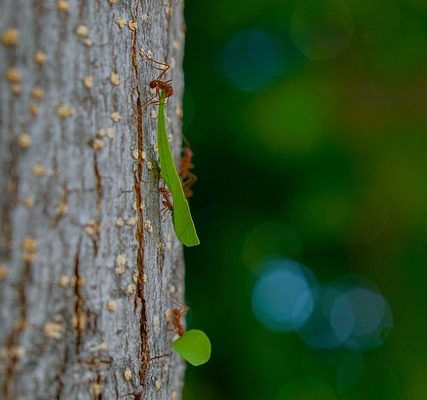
{"type": "Point", "coordinates": [181, 216]}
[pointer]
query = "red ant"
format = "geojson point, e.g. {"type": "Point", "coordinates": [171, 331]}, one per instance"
{"type": "Point", "coordinates": [188, 178]}
{"type": "Point", "coordinates": [178, 313]}
{"type": "Point", "coordinates": [158, 83]}
{"type": "Point", "coordinates": [166, 201]}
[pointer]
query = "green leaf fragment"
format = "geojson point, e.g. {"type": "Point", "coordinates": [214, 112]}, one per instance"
{"type": "Point", "coordinates": [194, 346]}
{"type": "Point", "coordinates": [181, 216]}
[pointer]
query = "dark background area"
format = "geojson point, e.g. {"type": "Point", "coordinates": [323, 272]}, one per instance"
{"type": "Point", "coordinates": [308, 125]}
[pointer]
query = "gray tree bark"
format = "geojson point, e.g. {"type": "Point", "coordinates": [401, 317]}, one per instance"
{"type": "Point", "coordinates": [89, 266]}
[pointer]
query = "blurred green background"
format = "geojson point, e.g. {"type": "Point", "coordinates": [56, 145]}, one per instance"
{"type": "Point", "coordinates": [308, 126]}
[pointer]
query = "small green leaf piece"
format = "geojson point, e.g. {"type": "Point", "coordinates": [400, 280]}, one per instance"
{"type": "Point", "coordinates": [194, 346]}
{"type": "Point", "coordinates": [181, 216]}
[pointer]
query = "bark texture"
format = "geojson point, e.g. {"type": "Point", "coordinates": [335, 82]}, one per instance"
{"type": "Point", "coordinates": [88, 263]}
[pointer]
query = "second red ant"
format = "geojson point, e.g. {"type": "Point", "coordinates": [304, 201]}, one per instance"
{"type": "Point", "coordinates": [178, 313]}
{"type": "Point", "coordinates": [166, 200]}
{"type": "Point", "coordinates": [187, 177]}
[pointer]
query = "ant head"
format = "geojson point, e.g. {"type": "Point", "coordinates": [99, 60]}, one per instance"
{"type": "Point", "coordinates": [188, 152]}
{"type": "Point", "coordinates": [153, 84]}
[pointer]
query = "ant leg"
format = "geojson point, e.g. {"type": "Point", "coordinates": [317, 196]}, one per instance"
{"type": "Point", "coordinates": [188, 178]}
{"type": "Point", "coordinates": [164, 68]}
{"type": "Point", "coordinates": [159, 78]}
{"type": "Point", "coordinates": [156, 103]}
{"type": "Point", "coordinates": [151, 101]}
{"type": "Point", "coordinates": [163, 214]}
{"type": "Point", "coordinates": [165, 65]}
{"type": "Point", "coordinates": [181, 305]}
{"type": "Point", "coordinates": [187, 184]}
{"type": "Point", "coordinates": [158, 68]}
{"type": "Point", "coordinates": [188, 193]}
{"type": "Point", "coordinates": [154, 100]}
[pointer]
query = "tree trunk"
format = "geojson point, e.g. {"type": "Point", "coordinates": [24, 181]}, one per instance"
{"type": "Point", "coordinates": [88, 264]}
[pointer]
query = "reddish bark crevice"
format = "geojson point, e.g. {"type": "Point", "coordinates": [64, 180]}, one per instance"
{"type": "Point", "coordinates": [79, 315]}
{"type": "Point", "coordinates": [140, 299]}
